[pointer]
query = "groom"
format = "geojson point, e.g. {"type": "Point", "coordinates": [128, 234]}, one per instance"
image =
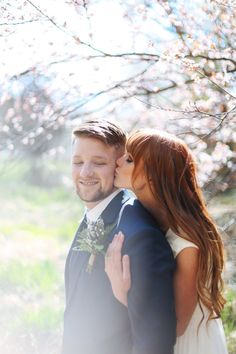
{"type": "Point", "coordinates": [94, 321]}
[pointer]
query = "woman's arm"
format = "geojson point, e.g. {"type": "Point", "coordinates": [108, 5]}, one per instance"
{"type": "Point", "coordinates": [185, 287]}
{"type": "Point", "coordinates": [118, 272]}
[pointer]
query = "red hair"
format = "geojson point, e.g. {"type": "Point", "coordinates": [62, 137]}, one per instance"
{"type": "Point", "coordinates": [171, 173]}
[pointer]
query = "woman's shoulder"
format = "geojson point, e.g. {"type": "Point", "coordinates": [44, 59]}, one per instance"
{"type": "Point", "coordinates": [178, 243]}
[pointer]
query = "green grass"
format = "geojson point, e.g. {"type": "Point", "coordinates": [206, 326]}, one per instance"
{"type": "Point", "coordinates": [36, 211]}
{"type": "Point", "coordinates": [227, 198]}
{"type": "Point", "coordinates": [41, 277]}
{"type": "Point", "coordinates": [229, 320]}
{"type": "Point", "coordinates": [63, 231]}
{"type": "Point", "coordinates": [45, 318]}
{"type": "Point", "coordinates": [57, 228]}
{"type": "Point", "coordinates": [229, 312]}
{"type": "Point", "coordinates": [15, 175]}
{"type": "Point", "coordinates": [35, 195]}
{"type": "Point", "coordinates": [36, 228]}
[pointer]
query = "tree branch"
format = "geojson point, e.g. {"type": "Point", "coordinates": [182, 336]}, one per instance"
{"type": "Point", "coordinates": [22, 22]}
{"type": "Point", "coordinates": [217, 85]}
{"type": "Point", "coordinates": [214, 59]}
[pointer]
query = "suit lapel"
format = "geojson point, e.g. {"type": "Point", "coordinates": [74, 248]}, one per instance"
{"type": "Point", "coordinates": [83, 225]}
{"type": "Point", "coordinates": [77, 261]}
{"type": "Point", "coordinates": [68, 259]}
{"type": "Point", "coordinates": [111, 213]}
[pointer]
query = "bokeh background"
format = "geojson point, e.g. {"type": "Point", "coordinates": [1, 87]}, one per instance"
{"type": "Point", "coordinates": [164, 64]}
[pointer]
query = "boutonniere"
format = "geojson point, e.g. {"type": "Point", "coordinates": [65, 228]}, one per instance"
{"type": "Point", "coordinates": [91, 240]}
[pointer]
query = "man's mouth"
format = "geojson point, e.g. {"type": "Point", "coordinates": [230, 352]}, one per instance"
{"type": "Point", "coordinates": [88, 183]}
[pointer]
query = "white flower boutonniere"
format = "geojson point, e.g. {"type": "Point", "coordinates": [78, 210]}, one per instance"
{"type": "Point", "coordinates": [91, 240]}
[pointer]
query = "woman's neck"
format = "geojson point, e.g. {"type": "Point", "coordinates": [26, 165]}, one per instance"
{"type": "Point", "coordinates": [147, 199]}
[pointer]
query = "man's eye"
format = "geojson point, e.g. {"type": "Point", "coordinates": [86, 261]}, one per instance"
{"type": "Point", "coordinates": [99, 163]}
{"type": "Point", "coordinates": [76, 163]}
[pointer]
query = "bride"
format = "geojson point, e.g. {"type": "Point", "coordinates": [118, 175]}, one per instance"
{"type": "Point", "coordinates": [160, 170]}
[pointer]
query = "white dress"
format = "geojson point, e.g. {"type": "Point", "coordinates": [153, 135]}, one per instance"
{"type": "Point", "coordinates": [210, 338]}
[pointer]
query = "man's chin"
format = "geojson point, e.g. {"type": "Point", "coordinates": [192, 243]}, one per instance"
{"type": "Point", "coordinates": [94, 199]}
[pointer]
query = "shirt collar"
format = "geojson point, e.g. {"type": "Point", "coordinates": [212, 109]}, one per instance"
{"type": "Point", "coordinates": [94, 213]}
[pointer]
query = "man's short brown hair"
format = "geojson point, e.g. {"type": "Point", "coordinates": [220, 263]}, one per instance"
{"type": "Point", "coordinates": [103, 130]}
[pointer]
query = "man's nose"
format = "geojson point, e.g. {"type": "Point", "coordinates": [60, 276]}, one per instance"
{"type": "Point", "coordinates": [86, 170]}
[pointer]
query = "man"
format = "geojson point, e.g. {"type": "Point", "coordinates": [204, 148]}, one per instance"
{"type": "Point", "coordinates": [95, 322]}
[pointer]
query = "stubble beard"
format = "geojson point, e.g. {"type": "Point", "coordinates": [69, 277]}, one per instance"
{"type": "Point", "coordinates": [96, 197]}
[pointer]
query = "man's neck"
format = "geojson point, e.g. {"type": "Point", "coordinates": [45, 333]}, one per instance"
{"type": "Point", "coordinates": [94, 213]}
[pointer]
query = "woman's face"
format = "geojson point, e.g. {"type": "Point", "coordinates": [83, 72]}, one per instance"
{"type": "Point", "coordinates": [124, 173]}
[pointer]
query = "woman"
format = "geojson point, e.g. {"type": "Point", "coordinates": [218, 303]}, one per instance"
{"type": "Point", "coordinates": [160, 170]}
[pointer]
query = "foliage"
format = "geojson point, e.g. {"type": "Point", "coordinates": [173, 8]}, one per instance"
{"type": "Point", "coordinates": [166, 64]}
{"type": "Point", "coordinates": [229, 313]}
{"type": "Point", "coordinates": [229, 320]}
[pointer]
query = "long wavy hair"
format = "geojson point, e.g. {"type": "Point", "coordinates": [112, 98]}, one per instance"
{"type": "Point", "coordinates": [170, 170]}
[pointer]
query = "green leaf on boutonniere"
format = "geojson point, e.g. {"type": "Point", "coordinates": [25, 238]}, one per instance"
{"type": "Point", "coordinates": [92, 238]}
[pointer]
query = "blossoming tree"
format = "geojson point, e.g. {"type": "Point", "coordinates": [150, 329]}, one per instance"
{"type": "Point", "coordinates": [165, 64]}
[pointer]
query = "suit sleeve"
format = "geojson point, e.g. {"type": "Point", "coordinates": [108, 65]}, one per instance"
{"type": "Point", "coordinates": [150, 299]}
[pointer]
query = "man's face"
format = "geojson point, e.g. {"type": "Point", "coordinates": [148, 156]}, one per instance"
{"type": "Point", "coordinates": [93, 168]}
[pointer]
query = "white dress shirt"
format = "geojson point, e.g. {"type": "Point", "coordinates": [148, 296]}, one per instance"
{"type": "Point", "coordinates": [93, 214]}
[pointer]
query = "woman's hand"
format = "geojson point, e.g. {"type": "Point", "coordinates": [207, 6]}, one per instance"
{"type": "Point", "coordinates": [117, 269]}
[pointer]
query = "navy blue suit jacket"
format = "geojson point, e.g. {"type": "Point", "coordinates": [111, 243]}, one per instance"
{"type": "Point", "coordinates": [94, 321]}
